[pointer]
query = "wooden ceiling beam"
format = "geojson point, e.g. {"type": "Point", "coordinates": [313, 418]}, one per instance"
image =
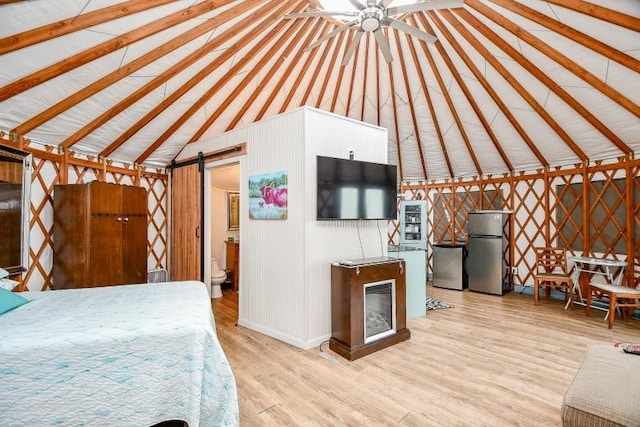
{"type": "Point", "coordinates": [571, 33]}
{"type": "Point", "coordinates": [491, 91]}
{"type": "Point", "coordinates": [336, 89]}
{"type": "Point", "coordinates": [316, 71]}
{"type": "Point", "coordinates": [76, 23]}
{"type": "Point", "coordinates": [161, 79]}
{"type": "Point", "coordinates": [126, 70]}
{"type": "Point", "coordinates": [364, 79]}
{"type": "Point", "coordinates": [300, 74]}
{"type": "Point", "coordinates": [509, 78]}
{"type": "Point", "coordinates": [273, 52]}
{"type": "Point", "coordinates": [558, 57]}
{"type": "Point", "coordinates": [102, 49]}
{"type": "Point", "coordinates": [289, 71]}
{"type": "Point", "coordinates": [353, 78]}
{"type": "Point", "coordinates": [332, 63]}
{"type": "Point", "coordinates": [611, 16]}
{"type": "Point", "coordinates": [447, 97]}
{"type": "Point", "coordinates": [467, 93]}
{"type": "Point", "coordinates": [223, 58]}
{"type": "Point", "coordinates": [412, 108]}
{"type": "Point", "coordinates": [432, 110]}
{"type": "Point", "coordinates": [193, 81]}
{"type": "Point", "coordinates": [542, 77]}
{"type": "Point", "coordinates": [251, 74]}
{"type": "Point", "coordinates": [395, 110]}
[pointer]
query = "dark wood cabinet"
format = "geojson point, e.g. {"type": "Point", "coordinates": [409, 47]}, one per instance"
{"type": "Point", "coordinates": [233, 261]}
{"type": "Point", "coordinates": [99, 235]}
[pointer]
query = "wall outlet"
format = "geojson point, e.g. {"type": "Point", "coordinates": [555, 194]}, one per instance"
{"type": "Point", "coordinates": [514, 271]}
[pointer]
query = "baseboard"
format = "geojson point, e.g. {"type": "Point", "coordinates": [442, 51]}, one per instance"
{"type": "Point", "coordinates": [294, 341]}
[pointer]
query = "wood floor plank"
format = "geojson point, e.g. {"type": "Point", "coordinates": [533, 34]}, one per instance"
{"type": "Point", "coordinates": [489, 361]}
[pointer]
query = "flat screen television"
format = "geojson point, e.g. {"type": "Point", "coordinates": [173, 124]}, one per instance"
{"type": "Point", "coordinates": [353, 189]}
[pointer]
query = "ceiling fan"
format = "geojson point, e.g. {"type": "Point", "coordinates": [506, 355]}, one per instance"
{"type": "Point", "coordinates": [372, 16]}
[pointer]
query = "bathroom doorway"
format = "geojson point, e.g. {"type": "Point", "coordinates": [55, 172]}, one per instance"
{"type": "Point", "coordinates": [222, 220]}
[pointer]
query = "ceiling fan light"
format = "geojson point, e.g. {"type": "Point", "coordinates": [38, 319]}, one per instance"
{"type": "Point", "coordinates": [371, 19]}
{"type": "Point", "coordinates": [370, 24]}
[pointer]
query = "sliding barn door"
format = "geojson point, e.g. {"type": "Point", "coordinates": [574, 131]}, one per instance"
{"type": "Point", "coordinates": [186, 231]}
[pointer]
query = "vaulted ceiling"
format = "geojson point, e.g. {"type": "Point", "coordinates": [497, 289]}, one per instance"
{"type": "Point", "coordinates": [507, 86]}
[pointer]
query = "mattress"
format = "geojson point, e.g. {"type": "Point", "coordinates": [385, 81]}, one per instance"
{"type": "Point", "coordinates": [129, 355]}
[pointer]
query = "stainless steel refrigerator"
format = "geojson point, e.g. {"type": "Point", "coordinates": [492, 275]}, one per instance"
{"type": "Point", "coordinates": [489, 264]}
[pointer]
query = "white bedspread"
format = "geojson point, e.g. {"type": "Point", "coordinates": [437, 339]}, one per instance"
{"type": "Point", "coordinates": [115, 356]}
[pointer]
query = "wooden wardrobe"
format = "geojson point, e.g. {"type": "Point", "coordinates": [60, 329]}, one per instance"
{"type": "Point", "coordinates": [99, 235]}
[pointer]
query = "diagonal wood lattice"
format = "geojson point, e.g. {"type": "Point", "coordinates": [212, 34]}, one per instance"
{"type": "Point", "coordinates": [46, 174]}
{"type": "Point", "coordinates": [548, 209]}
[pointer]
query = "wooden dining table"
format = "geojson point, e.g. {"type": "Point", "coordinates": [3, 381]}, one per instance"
{"type": "Point", "coordinates": [585, 268]}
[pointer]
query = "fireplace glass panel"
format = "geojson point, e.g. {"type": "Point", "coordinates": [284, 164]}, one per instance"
{"type": "Point", "coordinates": [379, 310]}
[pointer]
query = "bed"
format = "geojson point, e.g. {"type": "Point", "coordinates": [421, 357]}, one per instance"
{"type": "Point", "coordinates": [131, 355]}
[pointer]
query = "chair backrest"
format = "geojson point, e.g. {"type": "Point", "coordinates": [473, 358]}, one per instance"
{"type": "Point", "coordinates": [551, 260]}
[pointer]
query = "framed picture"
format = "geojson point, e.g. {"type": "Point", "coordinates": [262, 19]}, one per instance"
{"type": "Point", "coordinates": [233, 210]}
{"type": "Point", "coordinates": [268, 198]}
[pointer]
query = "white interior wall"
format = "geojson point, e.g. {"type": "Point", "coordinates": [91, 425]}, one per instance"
{"type": "Point", "coordinates": [326, 241]}
{"type": "Point", "coordinates": [284, 289]}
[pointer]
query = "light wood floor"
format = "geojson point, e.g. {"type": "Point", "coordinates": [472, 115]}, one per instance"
{"type": "Point", "coordinates": [489, 361]}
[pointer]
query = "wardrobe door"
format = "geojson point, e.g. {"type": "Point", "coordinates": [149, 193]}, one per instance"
{"type": "Point", "coordinates": [105, 239]}
{"type": "Point", "coordinates": [186, 210]}
{"type": "Point", "coordinates": [134, 235]}
{"type": "Point", "coordinates": [70, 237]}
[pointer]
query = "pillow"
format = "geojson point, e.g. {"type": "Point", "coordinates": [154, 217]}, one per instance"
{"type": "Point", "coordinates": [10, 300]}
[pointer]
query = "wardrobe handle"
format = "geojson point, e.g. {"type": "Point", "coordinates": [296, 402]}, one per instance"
{"type": "Point", "coordinates": [198, 231]}
{"type": "Point", "coordinates": [126, 219]}
{"type": "Point", "coordinates": [119, 218]}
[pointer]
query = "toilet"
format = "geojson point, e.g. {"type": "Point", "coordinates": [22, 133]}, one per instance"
{"type": "Point", "coordinates": [218, 277]}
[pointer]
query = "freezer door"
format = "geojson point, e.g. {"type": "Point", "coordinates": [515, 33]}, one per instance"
{"type": "Point", "coordinates": [486, 223]}
{"type": "Point", "coordinates": [486, 266]}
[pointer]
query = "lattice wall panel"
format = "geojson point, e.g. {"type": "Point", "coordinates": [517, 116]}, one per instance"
{"type": "Point", "coordinates": [467, 201]}
{"type": "Point", "coordinates": [636, 221]}
{"type": "Point", "coordinates": [156, 221]}
{"type": "Point", "coordinates": [43, 179]}
{"type": "Point", "coordinates": [45, 176]}
{"type": "Point", "coordinates": [528, 227]}
{"type": "Point", "coordinates": [607, 215]}
{"type": "Point", "coordinates": [566, 212]}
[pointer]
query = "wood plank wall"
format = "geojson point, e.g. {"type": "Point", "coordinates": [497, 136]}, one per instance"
{"type": "Point", "coordinates": [51, 168]}
{"type": "Point", "coordinates": [534, 199]}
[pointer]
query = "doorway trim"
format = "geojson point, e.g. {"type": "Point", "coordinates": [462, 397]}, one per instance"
{"type": "Point", "coordinates": [208, 171]}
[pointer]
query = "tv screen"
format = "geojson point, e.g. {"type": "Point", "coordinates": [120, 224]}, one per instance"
{"type": "Point", "coordinates": [352, 189]}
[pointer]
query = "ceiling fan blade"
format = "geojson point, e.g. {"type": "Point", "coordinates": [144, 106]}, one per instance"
{"type": "Point", "coordinates": [418, 7]}
{"type": "Point", "coordinates": [319, 13]}
{"type": "Point", "coordinates": [399, 25]}
{"type": "Point", "coordinates": [352, 47]}
{"type": "Point", "coordinates": [331, 34]}
{"type": "Point", "coordinates": [357, 4]}
{"type": "Point", "coordinates": [385, 3]}
{"type": "Point", "coordinates": [383, 44]}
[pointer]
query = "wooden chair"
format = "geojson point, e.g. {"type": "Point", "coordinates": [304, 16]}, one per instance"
{"type": "Point", "coordinates": [615, 293]}
{"type": "Point", "coordinates": [551, 273]}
